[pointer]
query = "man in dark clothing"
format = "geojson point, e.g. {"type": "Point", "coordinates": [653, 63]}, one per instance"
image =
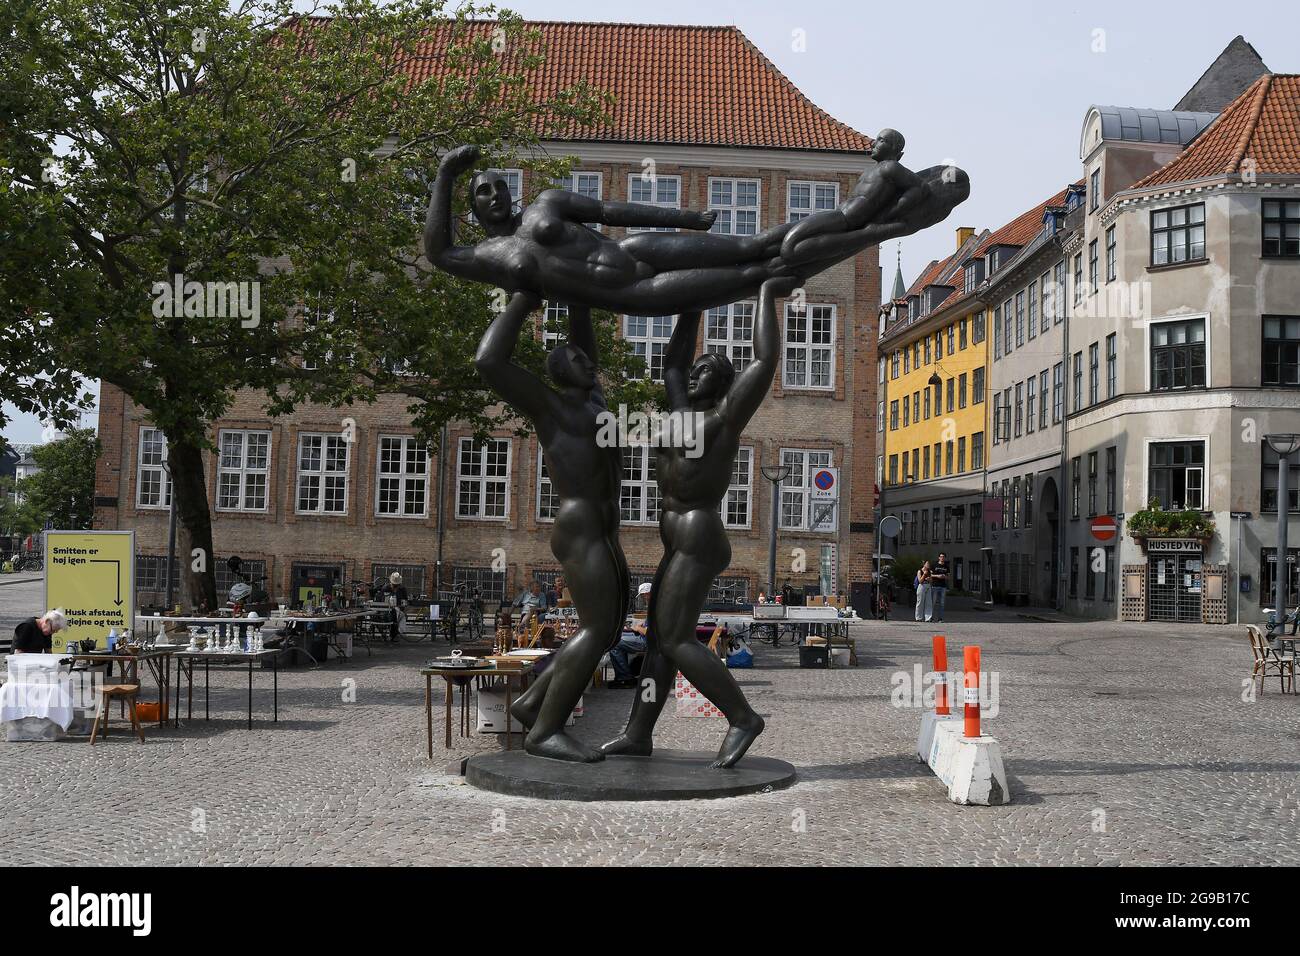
{"type": "Point", "coordinates": [939, 585]}
{"type": "Point", "coordinates": [33, 636]}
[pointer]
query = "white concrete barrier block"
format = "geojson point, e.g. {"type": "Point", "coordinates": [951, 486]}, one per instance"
{"type": "Point", "coordinates": [975, 775]}
{"type": "Point", "coordinates": [925, 739]}
{"type": "Point", "coordinates": [943, 748]}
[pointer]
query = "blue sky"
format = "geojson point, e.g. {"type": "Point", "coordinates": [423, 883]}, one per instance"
{"type": "Point", "coordinates": [999, 88]}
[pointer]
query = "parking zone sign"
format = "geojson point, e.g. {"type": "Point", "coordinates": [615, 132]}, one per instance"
{"type": "Point", "coordinates": [823, 499]}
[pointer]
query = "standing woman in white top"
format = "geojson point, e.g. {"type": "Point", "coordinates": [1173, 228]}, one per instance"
{"type": "Point", "coordinates": [923, 605]}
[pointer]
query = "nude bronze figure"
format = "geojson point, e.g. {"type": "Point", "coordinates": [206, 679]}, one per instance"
{"type": "Point", "coordinates": [695, 543]}
{"type": "Point", "coordinates": [584, 539]}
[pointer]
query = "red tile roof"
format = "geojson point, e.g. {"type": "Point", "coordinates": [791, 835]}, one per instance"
{"type": "Point", "coordinates": [1018, 232]}
{"type": "Point", "coordinates": [1024, 227]}
{"type": "Point", "coordinates": [1259, 130]}
{"type": "Point", "coordinates": [689, 85]}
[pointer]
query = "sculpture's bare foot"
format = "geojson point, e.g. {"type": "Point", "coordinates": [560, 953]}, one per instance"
{"type": "Point", "coordinates": [739, 737]}
{"type": "Point", "coordinates": [628, 746]}
{"type": "Point", "coordinates": [525, 711]}
{"type": "Point", "coordinates": [560, 746]}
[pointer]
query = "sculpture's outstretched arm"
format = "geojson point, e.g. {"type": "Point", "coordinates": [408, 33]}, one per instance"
{"type": "Point", "coordinates": [752, 385]}
{"type": "Point", "coordinates": [583, 335]}
{"type": "Point", "coordinates": [439, 233]}
{"type": "Point", "coordinates": [529, 394]}
{"type": "Point", "coordinates": [585, 209]}
{"type": "Point", "coordinates": [678, 356]}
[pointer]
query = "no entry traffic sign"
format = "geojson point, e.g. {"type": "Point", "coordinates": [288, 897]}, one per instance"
{"type": "Point", "coordinates": [1104, 527]}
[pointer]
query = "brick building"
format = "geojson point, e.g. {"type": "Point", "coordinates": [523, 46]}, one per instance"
{"type": "Point", "coordinates": [307, 496]}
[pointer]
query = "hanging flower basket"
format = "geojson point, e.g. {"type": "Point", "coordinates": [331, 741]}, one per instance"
{"type": "Point", "coordinates": [1157, 522]}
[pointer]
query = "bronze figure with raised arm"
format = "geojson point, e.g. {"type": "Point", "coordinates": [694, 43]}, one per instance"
{"type": "Point", "coordinates": [695, 543]}
{"type": "Point", "coordinates": [584, 539]}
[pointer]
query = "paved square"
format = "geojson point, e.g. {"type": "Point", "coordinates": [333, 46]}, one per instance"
{"type": "Point", "coordinates": [1125, 744]}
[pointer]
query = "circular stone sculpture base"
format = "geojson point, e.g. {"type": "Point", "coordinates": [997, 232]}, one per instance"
{"type": "Point", "coordinates": [668, 775]}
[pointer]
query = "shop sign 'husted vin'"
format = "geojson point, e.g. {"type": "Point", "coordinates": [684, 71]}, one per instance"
{"type": "Point", "coordinates": [547, 252]}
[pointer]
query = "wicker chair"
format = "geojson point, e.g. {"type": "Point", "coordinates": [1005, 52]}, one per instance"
{"type": "Point", "coordinates": [1268, 661]}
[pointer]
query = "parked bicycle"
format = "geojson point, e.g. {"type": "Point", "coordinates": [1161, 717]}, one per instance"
{"type": "Point", "coordinates": [30, 561]}
{"type": "Point", "coordinates": [1273, 629]}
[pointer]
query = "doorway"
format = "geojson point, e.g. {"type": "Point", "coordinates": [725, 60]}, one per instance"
{"type": "Point", "coordinates": [1174, 588]}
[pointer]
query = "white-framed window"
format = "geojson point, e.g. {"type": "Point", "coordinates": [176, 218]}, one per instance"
{"type": "Point", "coordinates": [586, 184]}
{"type": "Point", "coordinates": [548, 502]}
{"type": "Point", "coordinates": [243, 470]}
{"type": "Point", "coordinates": [802, 199]}
{"type": "Point", "coordinates": [313, 316]}
{"type": "Point", "coordinates": [735, 507]}
{"type": "Point", "coordinates": [515, 181]}
{"type": "Point", "coordinates": [809, 347]}
{"type": "Point", "coordinates": [401, 478]}
{"type": "Point", "coordinates": [555, 318]}
{"type": "Point", "coordinates": [322, 474]}
{"type": "Point", "coordinates": [648, 335]}
{"type": "Point", "coordinates": [153, 486]}
{"type": "Point", "coordinates": [797, 508]}
{"type": "Point", "coordinates": [736, 201]}
{"type": "Point", "coordinates": [416, 206]}
{"type": "Point", "coordinates": [583, 183]}
{"type": "Point", "coordinates": [729, 331]}
{"type": "Point", "coordinates": [483, 479]}
{"type": "Point", "coordinates": [662, 191]}
{"type": "Point", "coordinates": [1176, 472]}
{"type": "Point", "coordinates": [639, 494]}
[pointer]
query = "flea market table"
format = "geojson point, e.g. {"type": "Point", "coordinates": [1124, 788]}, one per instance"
{"type": "Point", "coordinates": [462, 677]}
{"type": "Point", "coordinates": [185, 661]}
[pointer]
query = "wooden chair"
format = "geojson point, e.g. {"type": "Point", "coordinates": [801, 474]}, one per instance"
{"type": "Point", "coordinates": [123, 692]}
{"type": "Point", "coordinates": [1268, 661]}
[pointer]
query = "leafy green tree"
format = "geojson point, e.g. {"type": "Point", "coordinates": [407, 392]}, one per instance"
{"type": "Point", "coordinates": [17, 518]}
{"type": "Point", "coordinates": [63, 490]}
{"type": "Point", "coordinates": [150, 145]}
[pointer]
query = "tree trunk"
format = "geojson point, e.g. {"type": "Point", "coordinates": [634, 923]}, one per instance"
{"type": "Point", "coordinates": [193, 528]}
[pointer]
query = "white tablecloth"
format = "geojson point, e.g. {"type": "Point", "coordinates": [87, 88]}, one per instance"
{"type": "Point", "coordinates": [48, 700]}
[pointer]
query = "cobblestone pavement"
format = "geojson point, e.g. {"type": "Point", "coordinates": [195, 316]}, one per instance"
{"type": "Point", "coordinates": [1125, 744]}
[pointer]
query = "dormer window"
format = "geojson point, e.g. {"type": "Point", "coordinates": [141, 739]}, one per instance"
{"type": "Point", "coordinates": [993, 262]}
{"type": "Point", "coordinates": [974, 275]}
{"type": "Point", "coordinates": [914, 307]}
{"type": "Point", "coordinates": [934, 297]}
{"type": "Point", "coordinates": [1053, 219]}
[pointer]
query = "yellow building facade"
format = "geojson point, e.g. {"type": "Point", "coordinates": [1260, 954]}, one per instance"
{"type": "Point", "coordinates": [933, 382]}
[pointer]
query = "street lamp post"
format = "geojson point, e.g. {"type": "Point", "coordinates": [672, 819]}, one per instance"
{"type": "Point", "coordinates": [1285, 445]}
{"type": "Point", "coordinates": [775, 475]}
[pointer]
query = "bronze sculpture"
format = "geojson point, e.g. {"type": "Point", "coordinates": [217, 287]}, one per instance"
{"type": "Point", "coordinates": [696, 549]}
{"type": "Point", "coordinates": [548, 252]}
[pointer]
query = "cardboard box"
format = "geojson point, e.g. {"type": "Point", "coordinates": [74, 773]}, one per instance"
{"type": "Point", "coordinates": [491, 712]}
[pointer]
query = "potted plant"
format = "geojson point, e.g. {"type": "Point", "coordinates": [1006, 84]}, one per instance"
{"type": "Point", "coordinates": [1157, 522]}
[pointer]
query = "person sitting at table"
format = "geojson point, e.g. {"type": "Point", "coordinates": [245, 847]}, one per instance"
{"type": "Point", "coordinates": [530, 602]}
{"type": "Point", "coordinates": [563, 598]}
{"type": "Point", "coordinates": [631, 643]}
{"type": "Point", "coordinates": [33, 636]}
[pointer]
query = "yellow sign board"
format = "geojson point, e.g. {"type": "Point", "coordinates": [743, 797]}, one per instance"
{"type": "Point", "coordinates": [90, 576]}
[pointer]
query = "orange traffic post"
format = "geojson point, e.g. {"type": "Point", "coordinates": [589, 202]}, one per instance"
{"type": "Point", "coordinates": [941, 676]}
{"type": "Point", "coordinates": [971, 662]}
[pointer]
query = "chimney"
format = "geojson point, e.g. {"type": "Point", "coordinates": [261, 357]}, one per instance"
{"type": "Point", "coordinates": [963, 234]}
